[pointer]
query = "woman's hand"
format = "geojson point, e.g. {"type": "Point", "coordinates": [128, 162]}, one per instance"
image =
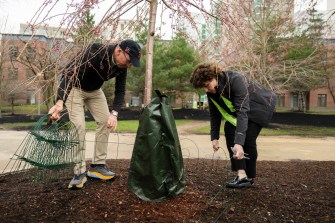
{"type": "Point", "coordinates": [238, 152]}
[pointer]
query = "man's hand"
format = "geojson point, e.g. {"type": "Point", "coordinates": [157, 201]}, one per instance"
{"type": "Point", "coordinates": [215, 144]}
{"type": "Point", "coordinates": [112, 122]}
{"type": "Point", "coordinates": [56, 110]}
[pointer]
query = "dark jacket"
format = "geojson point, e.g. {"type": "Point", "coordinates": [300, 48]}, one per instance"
{"type": "Point", "coordinates": [90, 70]}
{"type": "Point", "coordinates": [251, 102]}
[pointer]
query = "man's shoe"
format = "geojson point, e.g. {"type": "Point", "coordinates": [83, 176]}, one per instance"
{"type": "Point", "coordinates": [78, 181]}
{"type": "Point", "coordinates": [100, 171]}
{"type": "Point", "coordinates": [240, 183]}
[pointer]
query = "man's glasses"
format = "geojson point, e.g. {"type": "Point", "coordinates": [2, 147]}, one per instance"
{"type": "Point", "coordinates": [128, 61]}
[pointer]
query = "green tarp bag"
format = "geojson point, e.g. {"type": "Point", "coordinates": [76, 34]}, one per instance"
{"type": "Point", "coordinates": [156, 169]}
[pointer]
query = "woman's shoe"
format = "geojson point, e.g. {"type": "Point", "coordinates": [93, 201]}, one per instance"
{"type": "Point", "coordinates": [240, 183]}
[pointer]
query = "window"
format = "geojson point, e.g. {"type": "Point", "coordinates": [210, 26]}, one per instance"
{"type": "Point", "coordinates": [294, 101]}
{"type": "Point", "coordinates": [203, 31]}
{"type": "Point", "coordinates": [12, 52]}
{"type": "Point", "coordinates": [31, 53]}
{"type": "Point", "coordinates": [280, 100]}
{"type": "Point", "coordinates": [217, 30]}
{"type": "Point", "coordinates": [12, 73]}
{"type": "Point", "coordinates": [322, 100]}
{"type": "Point", "coordinates": [29, 74]}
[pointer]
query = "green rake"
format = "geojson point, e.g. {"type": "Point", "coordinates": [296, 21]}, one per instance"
{"type": "Point", "coordinates": [46, 148]}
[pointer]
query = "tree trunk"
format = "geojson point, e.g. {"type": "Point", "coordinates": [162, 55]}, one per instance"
{"type": "Point", "coordinates": [331, 89]}
{"type": "Point", "coordinates": [150, 46]}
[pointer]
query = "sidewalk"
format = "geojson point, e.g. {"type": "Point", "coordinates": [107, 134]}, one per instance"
{"type": "Point", "coordinates": [277, 148]}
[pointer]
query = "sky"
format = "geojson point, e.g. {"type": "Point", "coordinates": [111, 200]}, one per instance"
{"type": "Point", "coordinates": [14, 12]}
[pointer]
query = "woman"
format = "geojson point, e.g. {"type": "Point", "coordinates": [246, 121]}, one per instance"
{"type": "Point", "coordinates": [246, 107]}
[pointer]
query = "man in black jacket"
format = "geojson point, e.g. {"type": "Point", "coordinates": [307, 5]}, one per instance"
{"type": "Point", "coordinates": [245, 106]}
{"type": "Point", "coordinates": [80, 86]}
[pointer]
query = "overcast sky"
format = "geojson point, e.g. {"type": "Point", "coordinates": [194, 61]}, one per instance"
{"type": "Point", "coordinates": [14, 12]}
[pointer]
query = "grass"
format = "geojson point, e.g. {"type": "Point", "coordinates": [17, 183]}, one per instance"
{"type": "Point", "coordinates": [132, 125]}
{"type": "Point", "coordinates": [128, 125]}
{"type": "Point", "coordinates": [275, 130]}
{"type": "Point", "coordinates": [24, 109]}
{"type": "Point", "coordinates": [281, 129]}
{"type": "Point", "coordinates": [17, 125]}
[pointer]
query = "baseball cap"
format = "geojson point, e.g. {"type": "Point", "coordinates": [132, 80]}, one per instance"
{"type": "Point", "coordinates": [133, 49]}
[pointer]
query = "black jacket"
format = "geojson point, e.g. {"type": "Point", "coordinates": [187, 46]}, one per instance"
{"type": "Point", "coordinates": [88, 71]}
{"type": "Point", "coordinates": [251, 102]}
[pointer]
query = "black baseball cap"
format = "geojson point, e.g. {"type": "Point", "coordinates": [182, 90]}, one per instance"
{"type": "Point", "coordinates": [133, 49]}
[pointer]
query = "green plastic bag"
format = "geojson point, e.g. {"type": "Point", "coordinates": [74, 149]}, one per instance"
{"type": "Point", "coordinates": [156, 169]}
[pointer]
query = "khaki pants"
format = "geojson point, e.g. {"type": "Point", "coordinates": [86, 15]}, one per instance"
{"type": "Point", "coordinates": [96, 103]}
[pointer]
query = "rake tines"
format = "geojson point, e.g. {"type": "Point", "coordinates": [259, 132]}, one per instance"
{"type": "Point", "coordinates": [46, 148]}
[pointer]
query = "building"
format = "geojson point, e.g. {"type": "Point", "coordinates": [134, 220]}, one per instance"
{"type": "Point", "coordinates": [120, 29]}
{"type": "Point", "coordinates": [28, 67]}
{"type": "Point", "coordinates": [17, 77]}
{"type": "Point", "coordinates": [44, 30]}
{"type": "Point", "coordinates": [321, 98]}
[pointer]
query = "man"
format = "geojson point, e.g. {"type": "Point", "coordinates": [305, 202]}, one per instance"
{"type": "Point", "coordinates": [80, 86]}
{"type": "Point", "coordinates": [246, 107]}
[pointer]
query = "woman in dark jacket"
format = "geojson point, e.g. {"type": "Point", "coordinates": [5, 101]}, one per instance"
{"type": "Point", "coordinates": [245, 106]}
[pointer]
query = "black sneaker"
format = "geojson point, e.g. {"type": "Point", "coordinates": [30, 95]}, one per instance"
{"type": "Point", "coordinates": [240, 183]}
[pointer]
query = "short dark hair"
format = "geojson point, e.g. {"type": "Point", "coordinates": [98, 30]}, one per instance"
{"type": "Point", "coordinates": [203, 73]}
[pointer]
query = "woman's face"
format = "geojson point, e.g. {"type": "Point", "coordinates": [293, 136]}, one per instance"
{"type": "Point", "coordinates": [210, 86]}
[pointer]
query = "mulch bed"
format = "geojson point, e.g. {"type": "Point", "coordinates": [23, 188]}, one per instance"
{"type": "Point", "coordinates": [295, 191]}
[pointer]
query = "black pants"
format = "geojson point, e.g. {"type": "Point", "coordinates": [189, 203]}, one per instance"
{"type": "Point", "coordinates": [250, 147]}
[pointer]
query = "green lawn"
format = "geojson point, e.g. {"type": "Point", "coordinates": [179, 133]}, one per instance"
{"type": "Point", "coordinates": [280, 129]}
{"type": "Point", "coordinates": [277, 130]}
{"type": "Point", "coordinates": [24, 109]}
{"type": "Point", "coordinates": [128, 125]}
{"type": "Point", "coordinates": [132, 125]}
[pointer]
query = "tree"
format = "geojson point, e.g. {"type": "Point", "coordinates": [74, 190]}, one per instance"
{"type": "Point", "coordinates": [174, 63]}
{"type": "Point", "coordinates": [172, 66]}
{"type": "Point", "coordinates": [85, 32]}
{"type": "Point", "coordinates": [265, 45]}
{"type": "Point", "coordinates": [6, 84]}
{"type": "Point", "coordinates": [43, 62]}
{"type": "Point", "coordinates": [313, 57]}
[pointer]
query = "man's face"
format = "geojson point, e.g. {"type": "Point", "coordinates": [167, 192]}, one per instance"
{"type": "Point", "coordinates": [210, 86]}
{"type": "Point", "coordinates": [122, 59]}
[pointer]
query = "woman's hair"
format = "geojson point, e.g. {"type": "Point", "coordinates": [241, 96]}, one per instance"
{"type": "Point", "coordinates": [203, 73]}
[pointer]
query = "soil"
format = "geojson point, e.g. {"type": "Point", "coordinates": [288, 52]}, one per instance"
{"type": "Point", "coordinates": [294, 191]}
{"type": "Point", "coordinates": [300, 191]}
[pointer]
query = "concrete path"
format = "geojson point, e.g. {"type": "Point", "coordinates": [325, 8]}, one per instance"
{"type": "Point", "coordinates": [278, 148]}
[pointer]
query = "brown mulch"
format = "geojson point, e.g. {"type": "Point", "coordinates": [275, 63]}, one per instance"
{"type": "Point", "coordinates": [296, 191]}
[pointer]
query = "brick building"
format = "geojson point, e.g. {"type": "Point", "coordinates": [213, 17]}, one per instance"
{"type": "Point", "coordinates": [17, 75]}
{"type": "Point", "coordinates": [27, 66]}
{"type": "Point", "coordinates": [317, 99]}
